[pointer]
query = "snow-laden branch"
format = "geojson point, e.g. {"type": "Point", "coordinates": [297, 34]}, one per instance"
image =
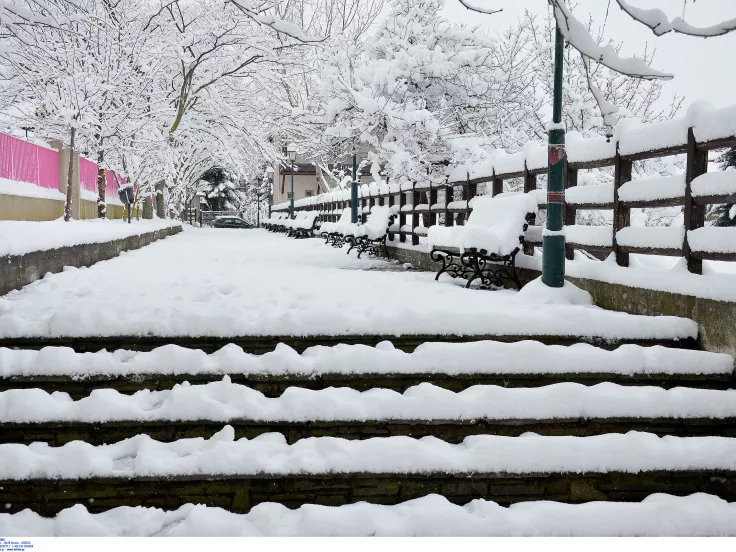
{"type": "Point", "coordinates": [579, 38]}
{"type": "Point", "coordinates": [473, 7]}
{"type": "Point", "coordinates": [275, 23]}
{"type": "Point", "coordinates": [660, 24]}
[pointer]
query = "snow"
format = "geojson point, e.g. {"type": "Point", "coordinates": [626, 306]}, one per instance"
{"type": "Point", "coordinates": [479, 357]}
{"type": "Point", "coordinates": [343, 221]}
{"type": "Point", "coordinates": [652, 189]}
{"type": "Point", "coordinates": [225, 401]}
{"type": "Point", "coordinates": [599, 236]}
{"type": "Point", "coordinates": [714, 183]}
{"type": "Point", "coordinates": [660, 237]}
{"type": "Point", "coordinates": [495, 224]}
{"type": "Point", "coordinates": [537, 291]}
{"type": "Point", "coordinates": [27, 189]}
{"type": "Point", "coordinates": [597, 194]}
{"type": "Point", "coordinates": [713, 239]}
{"type": "Point", "coordinates": [21, 237]}
{"type": "Point", "coordinates": [377, 224]}
{"type": "Point", "coordinates": [583, 150]}
{"type": "Point", "coordinates": [430, 516]}
{"type": "Point", "coordinates": [141, 456]}
{"type": "Point", "coordinates": [255, 282]}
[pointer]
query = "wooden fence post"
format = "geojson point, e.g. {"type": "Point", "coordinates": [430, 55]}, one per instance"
{"type": "Point", "coordinates": [530, 183]}
{"type": "Point", "coordinates": [696, 164]}
{"type": "Point", "coordinates": [402, 214]}
{"type": "Point", "coordinates": [416, 198]}
{"type": "Point", "coordinates": [570, 212]}
{"type": "Point", "coordinates": [621, 215]}
{"type": "Point", "coordinates": [497, 187]}
{"type": "Point", "coordinates": [433, 199]}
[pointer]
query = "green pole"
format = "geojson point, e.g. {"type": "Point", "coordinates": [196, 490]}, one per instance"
{"type": "Point", "coordinates": [553, 241]}
{"type": "Point", "coordinates": [354, 191]}
{"type": "Point", "coordinates": [291, 208]}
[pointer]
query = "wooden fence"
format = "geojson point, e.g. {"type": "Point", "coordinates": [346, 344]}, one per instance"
{"type": "Point", "coordinates": [693, 136]}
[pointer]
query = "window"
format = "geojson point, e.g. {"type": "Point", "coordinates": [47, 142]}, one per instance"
{"type": "Point", "coordinates": [309, 193]}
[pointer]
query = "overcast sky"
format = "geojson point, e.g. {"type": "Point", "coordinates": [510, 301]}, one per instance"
{"type": "Point", "coordinates": [703, 68]}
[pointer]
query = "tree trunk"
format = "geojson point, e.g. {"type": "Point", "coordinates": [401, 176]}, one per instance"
{"type": "Point", "coordinates": [69, 179]}
{"type": "Point", "coordinates": [101, 185]}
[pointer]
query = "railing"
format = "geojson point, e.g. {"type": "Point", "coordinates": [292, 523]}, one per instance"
{"type": "Point", "coordinates": [694, 136]}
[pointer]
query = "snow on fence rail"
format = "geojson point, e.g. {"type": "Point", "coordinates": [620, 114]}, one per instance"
{"type": "Point", "coordinates": [694, 135]}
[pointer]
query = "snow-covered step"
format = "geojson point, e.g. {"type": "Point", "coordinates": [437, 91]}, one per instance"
{"type": "Point", "coordinates": [240, 474]}
{"type": "Point", "coordinates": [106, 416]}
{"type": "Point", "coordinates": [454, 366]}
{"type": "Point", "coordinates": [429, 516]}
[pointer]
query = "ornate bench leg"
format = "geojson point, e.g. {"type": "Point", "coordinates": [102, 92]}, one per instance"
{"type": "Point", "coordinates": [351, 241]}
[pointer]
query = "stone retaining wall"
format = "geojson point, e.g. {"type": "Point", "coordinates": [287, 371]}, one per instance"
{"type": "Point", "coordinates": [717, 319]}
{"type": "Point", "coordinates": [17, 271]}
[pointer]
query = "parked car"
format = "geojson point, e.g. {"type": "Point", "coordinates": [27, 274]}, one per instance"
{"type": "Point", "coordinates": [230, 222]}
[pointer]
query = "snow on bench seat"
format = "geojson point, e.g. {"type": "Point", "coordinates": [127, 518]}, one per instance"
{"type": "Point", "coordinates": [495, 225]}
{"type": "Point", "coordinates": [653, 189]}
{"type": "Point", "coordinates": [269, 454]}
{"type": "Point", "coordinates": [479, 357]}
{"type": "Point", "coordinates": [429, 516]}
{"type": "Point", "coordinates": [377, 224]}
{"type": "Point", "coordinates": [594, 236]}
{"type": "Point", "coordinates": [332, 227]}
{"type": "Point", "coordinates": [712, 239]}
{"type": "Point", "coordinates": [596, 194]}
{"type": "Point", "coordinates": [224, 401]}
{"type": "Point", "coordinates": [714, 184]}
{"type": "Point", "coordinates": [655, 237]}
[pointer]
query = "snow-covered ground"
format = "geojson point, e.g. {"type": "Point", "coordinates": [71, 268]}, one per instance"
{"type": "Point", "coordinates": [270, 454]}
{"type": "Point", "coordinates": [225, 401]}
{"type": "Point", "coordinates": [20, 237]}
{"type": "Point", "coordinates": [207, 282]}
{"type": "Point", "coordinates": [429, 516]}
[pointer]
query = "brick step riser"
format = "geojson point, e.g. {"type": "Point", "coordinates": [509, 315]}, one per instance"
{"type": "Point", "coordinates": [240, 494]}
{"type": "Point", "coordinates": [274, 386]}
{"type": "Point", "coordinates": [451, 431]}
{"type": "Point", "coordinates": [260, 345]}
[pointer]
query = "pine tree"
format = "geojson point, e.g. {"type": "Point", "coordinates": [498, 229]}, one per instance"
{"type": "Point", "coordinates": [220, 191]}
{"type": "Point", "coordinates": [727, 212]}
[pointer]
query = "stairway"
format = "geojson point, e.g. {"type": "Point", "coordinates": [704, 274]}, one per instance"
{"type": "Point", "coordinates": [508, 422]}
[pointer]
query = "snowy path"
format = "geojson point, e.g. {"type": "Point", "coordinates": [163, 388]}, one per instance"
{"type": "Point", "coordinates": [250, 283]}
{"type": "Point", "coordinates": [429, 516]}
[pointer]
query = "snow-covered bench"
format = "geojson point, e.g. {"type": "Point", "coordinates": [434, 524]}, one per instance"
{"type": "Point", "coordinates": [371, 237]}
{"type": "Point", "coordinates": [304, 225]}
{"type": "Point", "coordinates": [335, 232]}
{"type": "Point", "coordinates": [272, 220]}
{"type": "Point", "coordinates": [279, 224]}
{"type": "Point", "coordinates": [486, 246]}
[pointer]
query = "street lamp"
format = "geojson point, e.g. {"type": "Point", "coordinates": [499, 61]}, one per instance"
{"type": "Point", "coordinates": [553, 241]}
{"type": "Point", "coordinates": [291, 152]}
{"type": "Point", "coordinates": [267, 176]}
{"type": "Point", "coordinates": [354, 189]}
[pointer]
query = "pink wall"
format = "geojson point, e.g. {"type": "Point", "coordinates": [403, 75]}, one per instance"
{"type": "Point", "coordinates": [87, 174]}
{"type": "Point", "coordinates": [27, 162]}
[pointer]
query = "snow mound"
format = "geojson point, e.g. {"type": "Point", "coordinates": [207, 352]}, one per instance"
{"type": "Point", "coordinates": [538, 292]}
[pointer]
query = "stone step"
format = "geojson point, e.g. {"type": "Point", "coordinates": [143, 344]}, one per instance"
{"type": "Point", "coordinates": [239, 494]}
{"type": "Point", "coordinates": [275, 385]}
{"type": "Point", "coordinates": [265, 344]}
{"type": "Point", "coordinates": [450, 431]}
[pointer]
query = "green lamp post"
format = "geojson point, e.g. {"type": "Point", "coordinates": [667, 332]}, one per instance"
{"type": "Point", "coordinates": [553, 241]}
{"type": "Point", "coordinates": [291, 152]}
{"type": "Point", "coordinates": [354, 190]}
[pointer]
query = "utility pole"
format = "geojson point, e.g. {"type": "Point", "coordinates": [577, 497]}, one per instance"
{"type": "Point", "coordinates": [553, 240]}
{"type": "Point", "coordinates": [354, 189]}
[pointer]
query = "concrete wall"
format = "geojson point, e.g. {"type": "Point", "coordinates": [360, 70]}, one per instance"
{"type": "Point", "coordinates": [29, 208]}
{"type": "Point", "coordinates": [17, 271]}
{"type": "Point", "coordinates": [717, 319]}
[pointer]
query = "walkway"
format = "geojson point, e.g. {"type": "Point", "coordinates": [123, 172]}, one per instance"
{"type": "Point", "coordinates": [229, 283]}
